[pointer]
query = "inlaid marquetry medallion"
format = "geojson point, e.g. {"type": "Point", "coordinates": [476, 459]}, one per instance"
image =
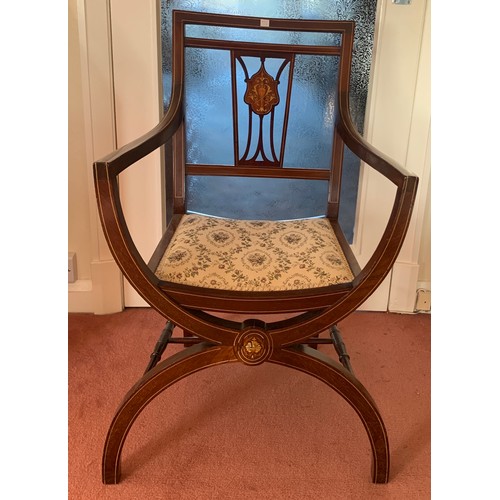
{"type": "Point", "coordinates": [262, 92]}
{"type": "Point", "coordinates": [253, 345]}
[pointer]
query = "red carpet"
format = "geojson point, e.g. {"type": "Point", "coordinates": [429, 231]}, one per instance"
{"type": "Point", "coordinates": [236, 432]}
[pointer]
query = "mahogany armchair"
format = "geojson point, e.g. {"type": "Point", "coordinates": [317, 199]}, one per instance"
{"type": "Point", "coordinates": [207, 263]}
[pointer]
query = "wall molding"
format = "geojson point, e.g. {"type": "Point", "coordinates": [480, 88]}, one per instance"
{"type": "Point", "coordinates": [103, 293]}
{"type": "Point", "coordinates": [403, 291]}
{"type": "Point", "coordinates": [80, 297]}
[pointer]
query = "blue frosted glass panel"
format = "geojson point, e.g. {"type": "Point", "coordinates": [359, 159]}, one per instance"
{"type": "Point", "coordinates": [361, 11]}
{"type": "Point", "coordinates": [256, 198]}
{"type": "Point", "coordinates": [208, 107]}
{"type": "Point", "coordinates": [310, 128]}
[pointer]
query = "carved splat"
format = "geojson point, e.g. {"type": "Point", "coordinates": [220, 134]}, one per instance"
{"type": "Point", "coordinates": [261, 99]}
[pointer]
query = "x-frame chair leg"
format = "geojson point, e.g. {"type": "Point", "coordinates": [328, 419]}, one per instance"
{"type": "Point", "coordinates": [153, 382]}
{"type": "Point", "coordinates": [204, 354]}
{"type": "Point", "coordinates": [341, 380]}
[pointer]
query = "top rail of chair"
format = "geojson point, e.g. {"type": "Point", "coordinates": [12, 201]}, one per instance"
{"type": "Point", "coordinates": [264, 23]}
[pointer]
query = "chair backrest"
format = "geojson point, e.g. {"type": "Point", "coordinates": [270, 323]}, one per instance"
{"type": "Point", "coordinates": [258, 139]}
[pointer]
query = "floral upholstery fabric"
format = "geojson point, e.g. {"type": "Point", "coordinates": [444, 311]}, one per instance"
{"type": "Point", "coordinates": [244, 255]}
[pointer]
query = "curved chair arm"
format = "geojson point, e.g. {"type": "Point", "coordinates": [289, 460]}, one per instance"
{"type": "Point", "coordinates": [386, 252]}
{"type": "Point", "coordinates": [109, 206]}
{"type": "Point", "coordinates": [122, 158]}
{"type": "Point", "coordinates": [365, 151]}
{"type": "Point", "coordinates": [116, 231]}
{"type": "Point", "coordinates": [392, 239]}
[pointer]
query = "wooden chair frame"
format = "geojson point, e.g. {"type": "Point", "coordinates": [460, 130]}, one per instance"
{"type": "Point", "coordinates": [212, 340]}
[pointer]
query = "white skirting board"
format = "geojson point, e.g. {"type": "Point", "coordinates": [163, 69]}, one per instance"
{"type": "Point", "coordinates": [103, 294]}
{"type": "Point", "coordinates": [80, 296]}
{"type": "Point", "coordinates": [403, 287]}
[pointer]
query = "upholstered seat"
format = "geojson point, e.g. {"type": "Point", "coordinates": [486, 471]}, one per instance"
{"type": "Point", "coordinates": [246, 255]}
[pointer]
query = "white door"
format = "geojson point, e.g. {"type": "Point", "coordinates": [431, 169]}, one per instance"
{"type": "Point", "coordinates": [397, 123]}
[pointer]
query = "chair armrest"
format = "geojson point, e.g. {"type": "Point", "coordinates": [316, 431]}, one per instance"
{"type": "Point", "coordinates": [109, 206]}
{"type": "Point", "coordinates": [119, 160]}
{"type": "Point", "coordinates": [366, 152]}
{"type": "Point", "coordinates": [394, 234]}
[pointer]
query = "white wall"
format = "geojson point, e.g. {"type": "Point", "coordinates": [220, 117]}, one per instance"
{"type": "Point", "coordinates": [90, 136]}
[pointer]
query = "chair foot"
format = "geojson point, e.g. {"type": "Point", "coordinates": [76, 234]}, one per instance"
{"type": "Point", "coordinates": [317, 364]}
{"type": "Point", "coordinates": [155, 381]}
